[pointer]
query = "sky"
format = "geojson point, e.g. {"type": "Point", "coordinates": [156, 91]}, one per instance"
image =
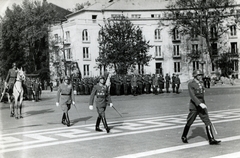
{"type": "Point", "coordinates": [62, 3]}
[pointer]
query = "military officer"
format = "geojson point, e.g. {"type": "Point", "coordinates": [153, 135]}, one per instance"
{"type": "Point", "coordinates": [168, 80]}
{"type": "Point", "coordinates": [155, 83]}
{"type": "Point", "coordinates": [197, 107]}
{"type": "Point", "coordinates": [177, 83]}
{"type": "Point", "coordinates": [65, 94]}
{"type": "Point", "coordinates": [102, 100]}
{"type": "Point", "coordinates": [10, 81]}
{"type": "Point", "coordinates": [125, 85]}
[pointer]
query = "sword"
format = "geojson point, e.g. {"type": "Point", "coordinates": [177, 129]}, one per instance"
{"type": "Point", "coordinates": [4, 90]}
{"type": "Point", "coordinates": [116, 110]}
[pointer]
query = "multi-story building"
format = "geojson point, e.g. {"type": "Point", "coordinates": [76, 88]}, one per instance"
{"type": "Point", "coordinates": [78, 37]}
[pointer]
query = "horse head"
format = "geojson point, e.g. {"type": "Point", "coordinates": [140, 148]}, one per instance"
{"type": "Point", "coordinates": [20, 75]}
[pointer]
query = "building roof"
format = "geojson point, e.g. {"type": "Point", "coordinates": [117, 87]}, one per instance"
{"type": "Point", "coordinates": [125, 5]}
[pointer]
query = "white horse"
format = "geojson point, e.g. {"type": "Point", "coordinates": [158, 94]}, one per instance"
{"type": "Point", "coordinates": [18, 93]}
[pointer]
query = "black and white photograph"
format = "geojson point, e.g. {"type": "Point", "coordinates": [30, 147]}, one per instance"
{"type": "Point", "coordinates": [119, 78]}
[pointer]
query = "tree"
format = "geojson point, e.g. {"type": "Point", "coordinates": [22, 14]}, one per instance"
{"type": "Point", "coordinates": [207, 19]}
{"type": "Point", "coordinates": [122, 45]}
{"type": "Point", "coordinates": [25, 36]}
{"type": "Point", "coordinates": [81, 6]}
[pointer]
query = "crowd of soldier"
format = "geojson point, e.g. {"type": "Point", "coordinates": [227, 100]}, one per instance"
{"type": "Point", "coordinates": [132, 84]}
{"type": "Point", "coordinates": [32, 89]}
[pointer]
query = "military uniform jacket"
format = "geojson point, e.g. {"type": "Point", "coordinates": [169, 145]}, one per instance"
{"type": "Point", "coordinates": [134, 81]}
{"type": "Point", "coordinates": [11, 76]}
{"type": "Point", "coordinates": [66, 93]}
{"type": "Point", "coordinates": [102, 96]}
{"type": "Point", "coordinates": [196, 92]}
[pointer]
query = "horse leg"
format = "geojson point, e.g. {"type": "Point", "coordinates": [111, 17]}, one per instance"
{"type": "Point", "coordinates": [16, 107]}
{"type": "Point", "coordinates": [20, 106]}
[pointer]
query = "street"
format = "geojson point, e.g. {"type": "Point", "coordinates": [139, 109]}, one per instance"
{"type": "Point", "coordinates": [151, 126]}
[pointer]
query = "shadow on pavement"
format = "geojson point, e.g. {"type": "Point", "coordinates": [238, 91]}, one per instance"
{"type": "Point", "coordinates": [198, 131]}
{"type": "Point", "coordinates": [37, 112]}
{"type": "Point", "coordinates": [80, 119]}
{"type": "Point", "coordinates": [30, 126]}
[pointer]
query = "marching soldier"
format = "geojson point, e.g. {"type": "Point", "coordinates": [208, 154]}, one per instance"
{"type": "Point", "coordinates": [102, 100]}
{"type": "Point", "coordinates": [10, 81]}
{"type": "Point", "coordinates": [65, 94]}
{"type": "Point", "coordinates": [197, 107]}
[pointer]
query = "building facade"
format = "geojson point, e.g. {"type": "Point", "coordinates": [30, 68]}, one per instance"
{"type": "Point", "coordinates": [76, 40]}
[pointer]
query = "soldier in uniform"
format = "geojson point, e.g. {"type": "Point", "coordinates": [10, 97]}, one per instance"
{"type": "Point", "coordinates": [10, 81]}
{"type": "Point", "coordinates": [173, 82]}
{"type": "Point", "coordinates": [118, 83]}
{"type": "Point", "coordinates": [147, 83]}
{"type": "Point", "coordinates": [134, 84]}
{"type": "Point", "coordinates": [140, 84]}
{"type": "Point", "coordinates": [177, 83]}
{"type": "Point", "coordinates": [125, 85]}
{"type": "Point", "coordinates": [155, 84]}
{"type": "Point", "coordinates": [65, 92]}
{"type": "Point", "coordinates": [168, 80]}
{"type": "Point", "coordinates": [197, 107]}
{"type": "Point", "coordinates": [102, 100]}
{"type": "Point", "coordinates": [161, 83]}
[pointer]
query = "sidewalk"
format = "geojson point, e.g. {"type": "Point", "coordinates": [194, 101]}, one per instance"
{"type": "Point", "coordinates": [236, 83]}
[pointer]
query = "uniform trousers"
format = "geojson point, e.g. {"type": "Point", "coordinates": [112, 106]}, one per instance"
{"type": "Point", "coordinates": [203, 114]}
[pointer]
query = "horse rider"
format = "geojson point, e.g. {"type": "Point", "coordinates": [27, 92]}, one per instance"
{"type": "Point", "coordinates": [102, 100]}
{"type": "Point", "coordinates": [197, 107]}
{"type": "Point", "coordinates": [10, 81]}
{"type": "Point", "coordinates": [65, 92]}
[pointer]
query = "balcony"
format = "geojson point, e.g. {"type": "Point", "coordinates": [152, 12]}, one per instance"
{"type": "Point", "coordinates": [178, 56]}
{"type": "Point", "coordinates": [176, 40]}
{"type": "Point", "coordinates": [67, 42]}
{"type": "Point", "coordinates": [158, 58]}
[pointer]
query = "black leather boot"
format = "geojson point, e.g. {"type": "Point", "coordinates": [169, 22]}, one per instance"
{"type": "Point", "coordinates": [67, 119]}
{"type": "Point", "coordinates": [64, 119]}
{"type": "Point", "coordinates": [105, 124]}
{"type": "Point", "coordinates": [184, 135]}
{"type": "Point", "coordinates": [97, 124]}
{"type": "Point", "coordinates": [211, 139]}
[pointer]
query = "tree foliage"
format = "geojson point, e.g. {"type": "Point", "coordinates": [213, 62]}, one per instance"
{"type": "Point", "coordinates": [225, 64]}
{"type": "Point", "coordinates": [122, 45]}
{"type": "Point", "coordinates": [208, 19]}
{"type": "Point", "coordinates": [25, 36]}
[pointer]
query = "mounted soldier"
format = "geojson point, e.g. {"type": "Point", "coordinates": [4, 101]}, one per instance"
{"type": "Point", "coordinates": [9, 82]}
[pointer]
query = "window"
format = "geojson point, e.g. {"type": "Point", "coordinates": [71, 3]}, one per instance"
{"type": "Point", "coordinates": [213, 32]}
{"type": "Point", "coordinates": [158, 52]}
{"type": "Point", "coordinates": [176, 35]}
{"type": "Point", "coordinates": [194, 33]}
{"type": "Point", "coordinates": [176, 51]}
{"type": "Point", "coordinates": [67, 36]}
{"type": "Point", "coordinates": [68, 54]}
{"type": "Point", "coordinates": [176, 66]}
{"type": "Point", "coordinates": [195, 65]}
{"type": "Point", "coordinates": [213, 67]}
{"type": "Point", "coordinates": [234, 47]}
{"type": "Point", "coordinates": [155, 15]}
{"type": "Point", "coordinates": [235, 65]}
{"type": "Point", "coordinates": [195, 48]}
{"type": "Point", "coordinates": [157, 34]}
{"type": "Point", "coordinates": [56, 38]}
{"type": "Point", "coordinates": [86, 70]}
{"type": "Point", "coordinates": [94, 18]}
{"type": "Point", "coordinates": [85, 35]}
{"type": "Point", "coordinates": [116, 15]}
{"type": "Point", "coordinates": [214, 49]}
{"type": "Point", "coordinates": [159, 68]}
{"type": "Point", "coordinates": [233, 31]}
{"type": "Point", "coordinates": [136, 15]}
{"type": "Point", "coordinates": [86, 54]}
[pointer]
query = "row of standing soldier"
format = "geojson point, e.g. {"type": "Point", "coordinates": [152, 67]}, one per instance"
{"type": "Point", "coordinates": [132, 84]}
